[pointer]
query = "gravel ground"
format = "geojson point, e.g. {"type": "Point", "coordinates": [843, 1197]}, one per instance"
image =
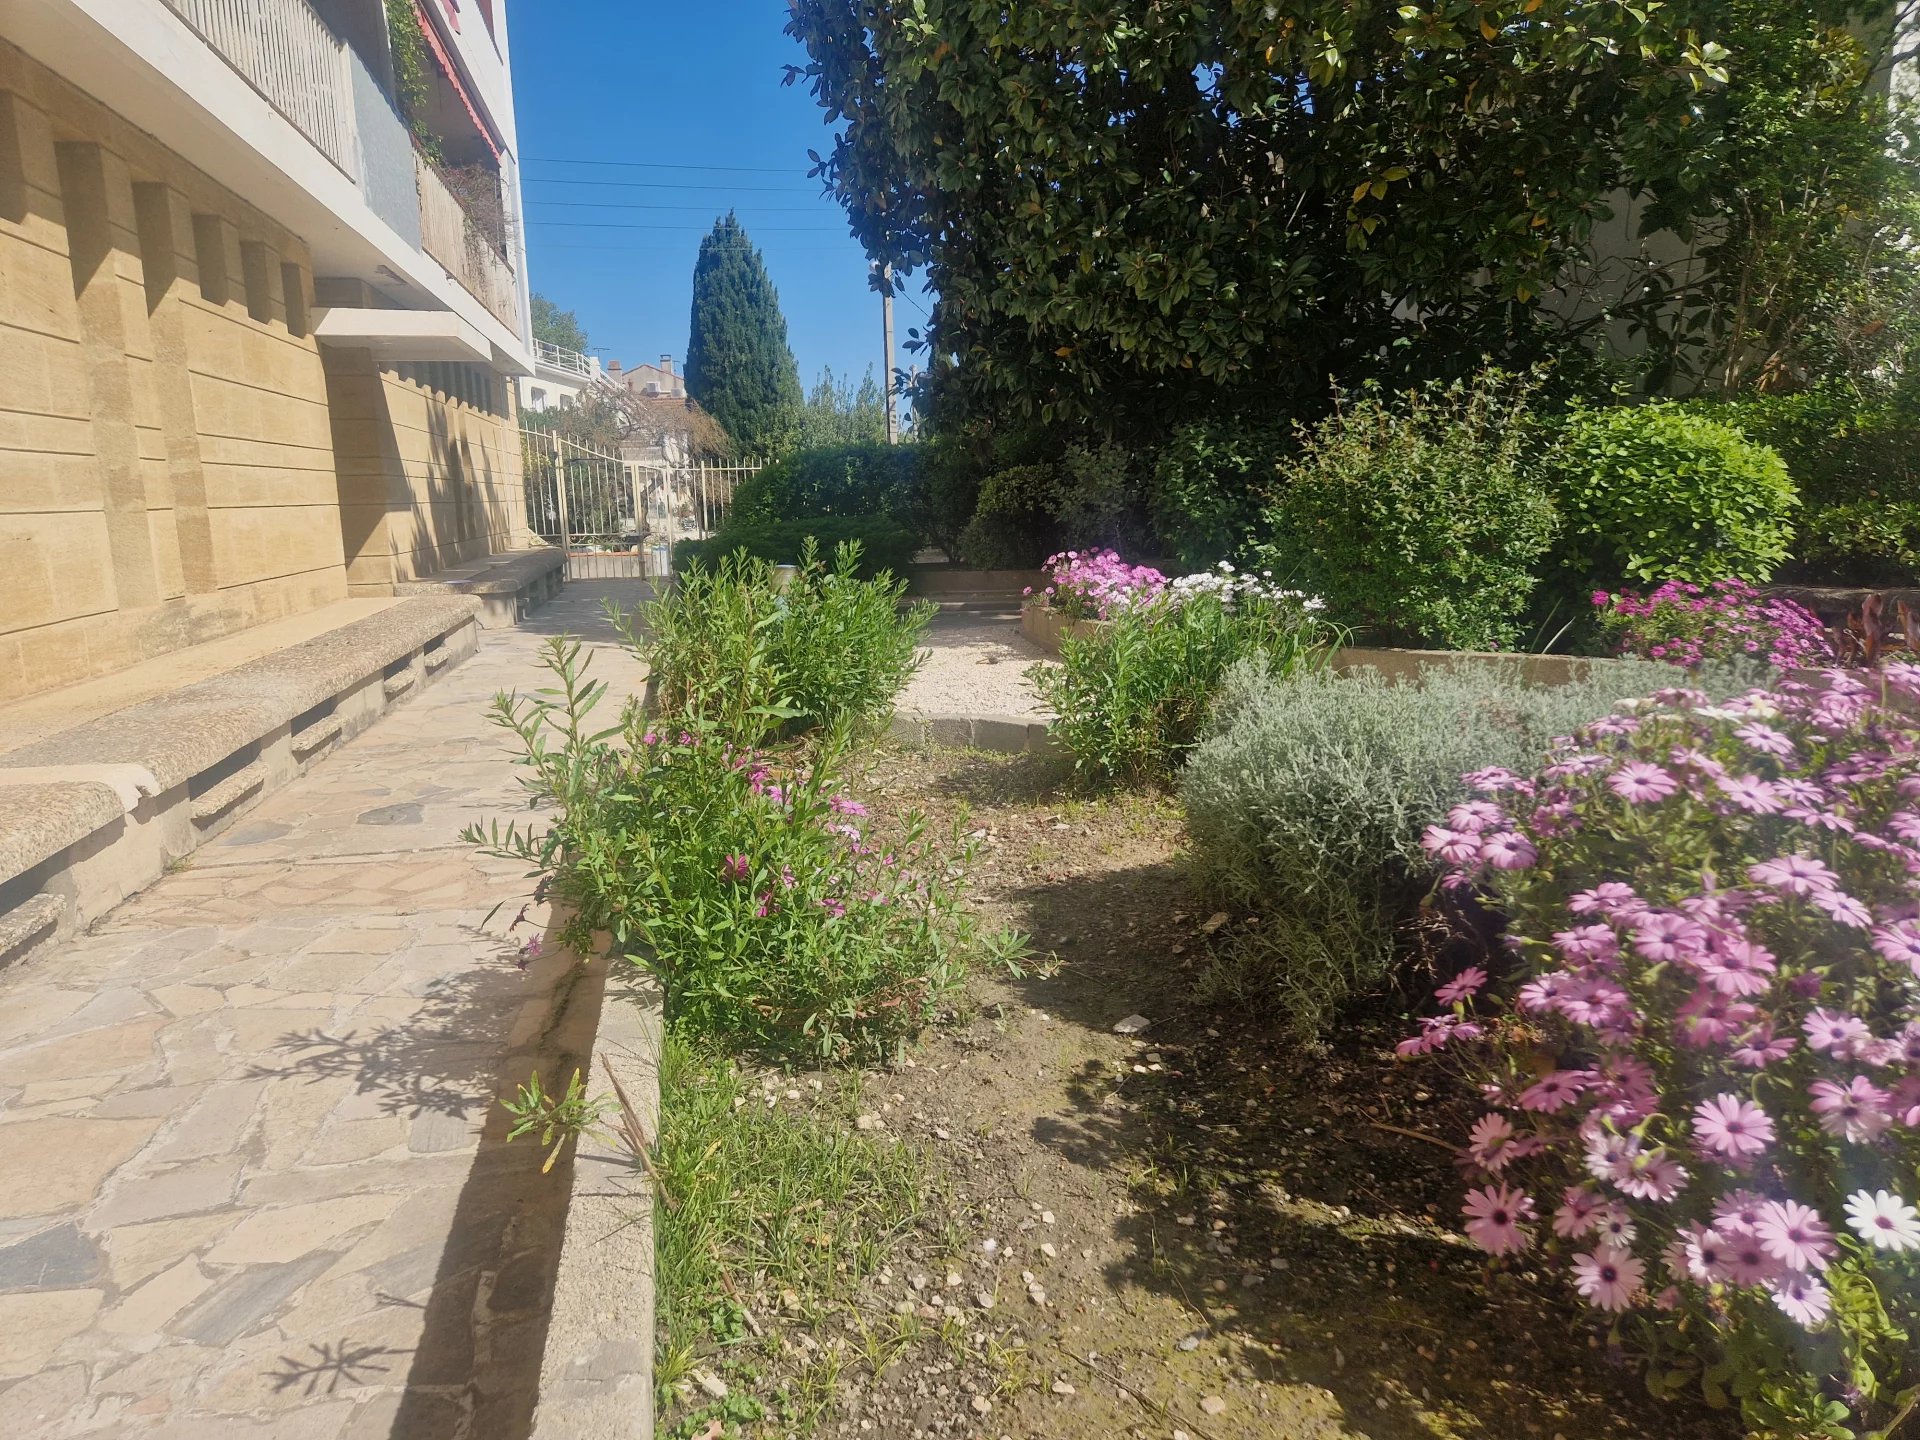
{"type": "Point", "coordinates": [975, 667]}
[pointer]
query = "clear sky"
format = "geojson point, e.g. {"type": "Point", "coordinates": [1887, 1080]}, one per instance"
{"type": "Point", "coordinates": [694, 84]}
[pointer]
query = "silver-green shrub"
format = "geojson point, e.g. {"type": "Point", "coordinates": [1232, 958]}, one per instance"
{"type": "Point", "coordinates": [1306, 798]}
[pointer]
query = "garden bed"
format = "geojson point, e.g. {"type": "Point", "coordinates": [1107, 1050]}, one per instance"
{"type": "Point", "coordinates": [1194, 1229]}
{"type": "Point", "coordinates": [1047, 627]}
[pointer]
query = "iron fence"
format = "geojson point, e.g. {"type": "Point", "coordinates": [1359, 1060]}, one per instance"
{"type": "Point", "coordinates": [619, 518]}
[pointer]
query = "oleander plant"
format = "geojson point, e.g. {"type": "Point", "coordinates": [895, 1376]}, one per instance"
{"type": "Point", "coordinates": [1702, 1074]}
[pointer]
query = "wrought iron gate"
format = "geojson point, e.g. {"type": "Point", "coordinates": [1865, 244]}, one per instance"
{"type": "Point", "coordinates": [618, 518]}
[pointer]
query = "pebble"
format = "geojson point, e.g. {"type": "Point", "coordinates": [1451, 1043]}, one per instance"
{"type": "Point", "coordinates": [1037, 1294]}
{"type": "Point", "coordinates": [1131, 1025]}
{"type": "Point", "coordinates": [711, 1383]}
{"type": "Point", "coordinates": [1188, 1343]}
{"type": "Point", "coordinates": [1213, 1404]}
{"type": "Point", "coordinates": [867, 1122]}
{"type": "Point", "coordinates": [953, 1280]}
{"type": "Point", "coordinates": [1046, 1217]}
{"type": "Point", "coordinates": [1047, 1250]}
{"type": "Point", "coordinates": [980, 1404]}
{"type": "Point", "coordinates": [983, 1300]}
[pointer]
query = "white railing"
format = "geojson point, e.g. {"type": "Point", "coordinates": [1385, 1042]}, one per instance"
{"type": "Point", "coordinates": [286, 52]}
{"type": "Point", "coordinates": [558, 357]}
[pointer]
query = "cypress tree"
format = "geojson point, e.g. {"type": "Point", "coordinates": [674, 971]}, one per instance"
{"type": "Point", "coordinates": [738, 364]}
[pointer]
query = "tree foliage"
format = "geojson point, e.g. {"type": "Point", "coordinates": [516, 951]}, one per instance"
{"type": "Point", "coordinates": [738, 365]}
{"type": "Point", "coordinates": [838, 413]}
{"type": "Point", "coordinates": [1136, 212]}
{"type": "Point", "coordinates": [557, 326]}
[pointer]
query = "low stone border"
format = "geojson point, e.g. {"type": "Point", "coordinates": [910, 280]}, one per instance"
{"type": "Point", "coordinates": [1047, 627]}
{"type": "Point", "coordinates": [1002, 734]}
{"type": "Point", "coordinates": [92, 814]}
{"type": "Point", "coordinates": [596, 1375]}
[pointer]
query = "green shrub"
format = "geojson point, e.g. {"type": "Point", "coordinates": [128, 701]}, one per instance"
{"type": "Point", "coordinates": [845, 480]}
{"type": "Point", "coordinates": [1417, 516]}
{"type": "Point", "coordinates": [1208, 485]}
{"type": "Point", "coordinates": [1861, 542]}
{"type": "Point", "coordinates": [1130, 697]}
{"type": "Point", "coordinates": [1011, 528]}
{"type": "Point", "coordinates": [1307, 797]}
{"type": "Point", "coordinates": [1659, 492]}
{"type": "Point", "coordinates": [1853, 450]}
{"type": "Point", "coordinates": [744, 885]}
{"type": "Point", "coordinates": [830, 649]}
{"type": "Point", "coordinates": [885, 547]}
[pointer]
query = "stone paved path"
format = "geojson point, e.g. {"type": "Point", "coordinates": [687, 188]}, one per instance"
{"type": "Point", "coordinates": [253, 1181]}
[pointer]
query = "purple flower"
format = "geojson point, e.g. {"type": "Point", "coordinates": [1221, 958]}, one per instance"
{"type": "Point", "coordinates": [1639, 783]}
{"type": "Point", "coordinates": [736, 867]}
{"type": "Point", "coordinates": [1462, 986]}
{"type": "Point", "coordinates": [1732, 1127]}
{"type": "Point", "coordinates": [1793, 875]}
{"type": "Point", "coordinates": [1856, 1111]}
{"type": "Point", "coordinates": [1507, 850]}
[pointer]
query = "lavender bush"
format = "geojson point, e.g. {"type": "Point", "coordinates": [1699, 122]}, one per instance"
{"type": "Point", "coordinates": [1703, 1079]}
{"type": "Point", "coordinates": [1687, 624]}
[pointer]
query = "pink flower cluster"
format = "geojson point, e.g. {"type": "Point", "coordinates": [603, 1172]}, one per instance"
{"type": "Point", "coordinates": [1095, 584]}
{"type": "Point", "coordinates": [1709, 1051]}
{"type": "Point", "coordinates": [1687, 624]}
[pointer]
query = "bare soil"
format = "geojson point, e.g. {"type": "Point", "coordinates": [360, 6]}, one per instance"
{"type": "Point", "coordinates": [1198, 1230]}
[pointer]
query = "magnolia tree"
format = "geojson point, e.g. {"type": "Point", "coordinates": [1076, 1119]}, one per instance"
{"type": "Point", "coordinates": [1703, 1079]}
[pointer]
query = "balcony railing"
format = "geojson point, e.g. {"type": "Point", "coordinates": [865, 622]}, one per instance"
{"type": "Point", "coordinates": [450, 236]}
{"type": "Point", "coordinates": [557, 357]}
{"type": "Point", "coordinates": [284, 50]}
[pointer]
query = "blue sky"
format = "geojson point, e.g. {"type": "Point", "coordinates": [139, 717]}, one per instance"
{"type": "Point", "coordinates": [681, 85]}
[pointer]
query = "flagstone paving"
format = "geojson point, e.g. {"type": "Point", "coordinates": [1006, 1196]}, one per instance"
{"type": "Point", "coordinates": [253, 1178]}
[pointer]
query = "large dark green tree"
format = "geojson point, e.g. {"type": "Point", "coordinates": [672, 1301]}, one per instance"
{"type": "Point", "coordinates": [1135, 212]}
{"type": "Point", "coordinates": [738, 363]}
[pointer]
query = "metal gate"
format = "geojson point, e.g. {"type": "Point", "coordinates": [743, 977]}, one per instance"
{"type": "Point", "coordinates": [617, 518]}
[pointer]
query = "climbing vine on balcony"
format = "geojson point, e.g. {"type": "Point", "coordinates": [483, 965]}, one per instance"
{"type": "Point", "coordinates": [408, 44]}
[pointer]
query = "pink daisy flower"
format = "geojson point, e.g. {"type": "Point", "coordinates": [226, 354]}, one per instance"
{"type": "Point", "coordinates": [1739, 967]}
{"type": "Point", "coordinates": [1795, 1235]}
{"type": "Point", "coordinates": [1793, 875]}
{"type": "Point", "coordinates": [1639, 783]}
{"type": "Point", "coordinates": [1494, 1216]}
{"type": "Point", "coordinates": [1554, 1091]}
{"type": "Point", "coordinates": [1732, 1127]}
{"type": "Point", "coordinates": [1452, 847]}
{"type": "Point", "coordinates": [1575, 1216]}
{"type": "Point", "coordinates": [1462, 986]}
{"type": "Point", "coordinates": [1506, 850]}
{"type": "Point", "coordinates": [1751, 794]}
{"type": "Point", "coordinates": [1802, 1299]}
{"type": "Point", "coordinates": [1608, 1278]}
{"type": "Point", "coordinates": [1490, 1140]}
{"type": "Point", "coordinates": [1855, 1111]}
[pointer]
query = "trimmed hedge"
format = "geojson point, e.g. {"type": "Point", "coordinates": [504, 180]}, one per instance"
{"type": "Point", "coordinates": [884, 544]}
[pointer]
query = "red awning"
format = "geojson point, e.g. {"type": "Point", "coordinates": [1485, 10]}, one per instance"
{"type": "Point", "coordinates": [452, 72]}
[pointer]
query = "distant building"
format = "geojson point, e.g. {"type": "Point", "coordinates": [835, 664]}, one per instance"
{"type": "Point", "coordinates": [560, 376]}
{"type": "Point", "coordinates": [649, 379]}
{"type": "Point", "coordinates": [261, 313]}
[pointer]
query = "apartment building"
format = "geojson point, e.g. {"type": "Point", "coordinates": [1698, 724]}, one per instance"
{"type": "Point", "coordinates": [263, 303]}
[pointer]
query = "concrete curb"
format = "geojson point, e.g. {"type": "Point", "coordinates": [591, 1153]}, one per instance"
{"type": "Point", "coordinates": [596, 1377]}
{"type": "Point", "coordinates": [1002, 734]}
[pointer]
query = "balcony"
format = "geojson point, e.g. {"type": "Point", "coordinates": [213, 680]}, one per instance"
{"type": "Point", "coordinates": [285, 51]}
{"type": "Point", "coordinates": [557, 357]}
{"type": "Point", "coordinates": [326, 68]}
{"type": "Point", "coordinates": [450, 235]}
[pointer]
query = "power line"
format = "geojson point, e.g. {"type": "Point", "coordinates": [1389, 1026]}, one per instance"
{"type": "Point", "coordinates": [669, 185]}
{"type": "Point", "coordinates": [659, 165]}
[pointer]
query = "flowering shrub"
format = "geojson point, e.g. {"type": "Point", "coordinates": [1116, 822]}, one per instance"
{"type": "Point", "coordinates": [1097, 584]}
{"type": "Point", "coordinates": [755, 890]}
{"type": "Point", "coordinates": [1687, 624]}
{"type": "Point", "coordinates": [1233, 588]}
{"type": "Point", "coordinates": [1704, 1088]}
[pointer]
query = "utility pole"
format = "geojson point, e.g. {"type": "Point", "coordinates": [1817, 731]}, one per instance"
{"type": "Point", "coordinates": [886, 320]}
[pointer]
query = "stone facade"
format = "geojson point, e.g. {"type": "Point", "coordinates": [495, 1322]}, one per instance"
{"type": "Point", "coordinates": [178, 458]}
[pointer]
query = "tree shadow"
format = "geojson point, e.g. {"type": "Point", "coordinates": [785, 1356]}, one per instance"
{"type": "Point", "coordinates": [1267, 1198]}
{"type": "Point", "coordinates": [439, 1060]}
{"type": "Point", "coordinates": [333, 1364]}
